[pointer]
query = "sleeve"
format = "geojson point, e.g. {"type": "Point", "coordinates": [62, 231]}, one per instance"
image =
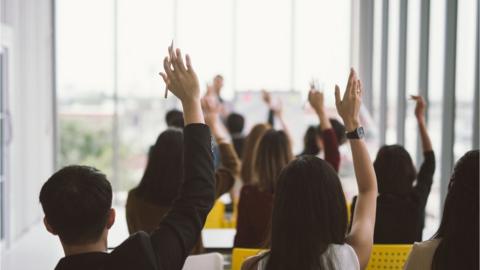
{"type": "Point", "coordinates": [181, 228]}
{"type": "Point", "coordinates": [332, 155]}
{"type": "Point", "coordinates": [271, 118]}
{"type": "Point", "coordinates": [230, 167]}
{"type": "Point", "coordinates": [425, 177]}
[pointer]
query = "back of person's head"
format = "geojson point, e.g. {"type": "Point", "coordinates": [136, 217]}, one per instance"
{"type": "Point", "coordinates": [310, 141]}
{"type": "Point", "coordinates": [309, 213]}
{"type": "Point", "coordinates": [394, 169]}
{"type": "Point", "coordinates": [235, 123]}
{"type": "Point", "coordinates": [174, 118]}
{"type": "Point", "coordinates": [163, 175]}
{"type": "Point", "coordinates": [250, 150]}
{"type": "Point", "coordinates": [273, 153]}
{"type": "Point", "coordinates": [76, 201]}
{"type": "Point", "coordinates": [458, 229]}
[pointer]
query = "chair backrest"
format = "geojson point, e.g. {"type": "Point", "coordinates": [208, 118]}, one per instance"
{"type": "Point", "coordinates": [216, 216]}
{"type": "Point", "coordinates": [239, 255]}
{"type": "Point", "coordinates": [390, 257]}
{"type": "Point", "coordinates": [210, 261]}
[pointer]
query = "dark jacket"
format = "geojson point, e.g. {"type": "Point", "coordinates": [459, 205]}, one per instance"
{"type": "Point", "coordinates": [143, 215]}
{"type": "Point", "coordinates": [400, 218]}
{"type": "Point", "coordinates": [168, 246]}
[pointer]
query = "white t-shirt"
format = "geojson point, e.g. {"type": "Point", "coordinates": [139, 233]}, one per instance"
{"type": "Point", "coordinates": [342, 257]}
{"type": "Point", "coordinates": [421, 255]}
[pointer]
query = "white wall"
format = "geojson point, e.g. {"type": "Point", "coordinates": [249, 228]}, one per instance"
{"type": "Point", "coordinates": [31, 102]}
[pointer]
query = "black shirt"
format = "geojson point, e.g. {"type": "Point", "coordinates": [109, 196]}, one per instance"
{"type": "Point", "coordinates": [168, 246]}
{"type": "Point", "coordinates": [400, 219]}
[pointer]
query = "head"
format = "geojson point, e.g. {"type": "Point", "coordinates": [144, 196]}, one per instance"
{"type": "Point", "coordinates": [77, 202]}
{"type": "Point", "coordinates": [459, 226]}
{"type": "Point", "coordinates": [235, 123]}
{"type": "Point", "coordinates": [273, 153]}
{"type": "Point", "coordinates": [250, 150]}
{"type": "Point", "coordinates": [174, 118]}
{"type": "Point", "coordinates": [163, 175]}
{"type": "Point", "coordinates": [308, 190]}
{"type": "Point", "coordinates": [313, 138]}
{"type": "Point", "coordinates": [394, 169]}
{"type": "Point", "coordinates": [218, 84]}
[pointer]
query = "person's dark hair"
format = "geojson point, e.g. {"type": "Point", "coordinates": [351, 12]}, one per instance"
{"type": "Point", "coordinates": [174, 118]}
{"type": "Point", "coordinates": [394, 169]}
{"type": "Point", "coordinates": [309, 213]}
{"type": "Point", "coordinates": [310, 146]}
{"type": "Point", "coordinates": [273, 153]}
{"type": "Point", "coordinates": [163, 175]}
{"type": "Point", "coordinates": [76, 201]}
{"type": "Point", "coordinates": [235, 123]}
{"type": "Point", "coordinates": [458, 229]}
{"type": "Point", "coordinates": [250, 151]}
{"type": "Point", "coordinates": [340, 130]}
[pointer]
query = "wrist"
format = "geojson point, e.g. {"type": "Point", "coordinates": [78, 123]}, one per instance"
{"type": "Point", "coordinates": [351, 124]}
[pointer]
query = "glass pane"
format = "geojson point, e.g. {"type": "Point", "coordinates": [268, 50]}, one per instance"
{"type": "Point", "coordinates": [392, 84]}
{"type": "Point", "coordinates": [263, 45]}
{"type": "Point", "coordinates": [465, 77]}
{"type": "Point", "coordinates": [435, 83]}
{"type": "Point", "coordinates": [205, 31]}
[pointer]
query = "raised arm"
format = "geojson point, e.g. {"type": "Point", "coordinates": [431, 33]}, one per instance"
{"type": "Point", "coordinates": [230, 163]}
{"type": "Point", "coordinates": [420, 115]}
{"type": "Point", "coordinates": [181, 228]}
{"type": "Point", "coordinates": [363, 223]}
{"type": "Point", "coordinates": [332, 155]}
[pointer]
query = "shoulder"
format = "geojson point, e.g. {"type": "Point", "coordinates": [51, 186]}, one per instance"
{"type": "Point", "coordinates": [422, 254]}
{"type": "Point", "coordinates": [136, 252]}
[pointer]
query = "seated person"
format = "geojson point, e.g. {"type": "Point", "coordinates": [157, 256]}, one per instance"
{"type": "Point", "coordinates": [400, 205]}
{"type": "Point", "coordinates": [256, 199]}
{"type": "Point", "coordinates": [235, 124]}
{"type": "Point", "coordinates": [174, 118]}
{"type": "Point", "coordinates": [149, 202]}
{"type": "Point", "coordinates": [77, 200]}
{"type": "Point", "coordinates": [250, 150]}
{"type": "Point", "coordinates": [455, 245]}
{"type": "Point", "coordinates": [309, 220]}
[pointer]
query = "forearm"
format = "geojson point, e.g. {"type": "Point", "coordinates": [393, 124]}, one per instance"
{"type": "Point", "coordinates": [426, 142]}
{"type": "Point", "coordinates": [219, 132]}
{"type": "Point", "coordinates": [364, 172]}
{"type": "Point", "coordinates": [192, 112]}
{"type": "Point", "coordinates": [324, 120]}
{"type": "Point", "coordinates": [229, 158]}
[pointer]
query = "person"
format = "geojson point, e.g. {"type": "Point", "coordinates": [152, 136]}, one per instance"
{"type": "Point", "coordinates": [77, 199]}
{"type": "Point", "coordinates": [401, 206]}
{"type": "Point", "coordinates": [256, 199]}
{"type": "Point", "coordinates": [329, 139]}
{"type": "Point", "coordinates": [250, 150]}
{"type": "Point", "coordinates": [235, 124]}
{"type": "Point", "coordinates": [309, 220]}
{"type": "Point", "coordinates": [313, 140]}
{"type": "Point", "coordinates": [149, 202]}
{"type": "Point", "coordinates": [455, 244]}
{"type": "Point", "coordinates": [217, 87]}
{"type": "Point", "coordinates": [174, 118]}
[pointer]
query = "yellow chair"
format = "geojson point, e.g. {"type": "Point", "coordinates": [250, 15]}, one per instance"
{"type": "Point", "coordinates": [239, 255]}
{"type": "Point", "coordinates": [390, 257]}
{"type": "Point", "coordinates": [216, 216]}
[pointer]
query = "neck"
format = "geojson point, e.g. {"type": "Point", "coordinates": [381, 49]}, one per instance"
{"type": "Point", "coordinates": [99, 246]}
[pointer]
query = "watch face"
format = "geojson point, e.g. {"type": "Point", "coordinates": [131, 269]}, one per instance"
{"type": "Point", "coordinates": [361, 132]}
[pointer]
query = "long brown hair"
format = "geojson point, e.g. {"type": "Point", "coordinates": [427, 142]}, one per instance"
{"type": "Point", "coordinates": [273, 153]}
{"type": "Point", "coordinates": [249, 151]}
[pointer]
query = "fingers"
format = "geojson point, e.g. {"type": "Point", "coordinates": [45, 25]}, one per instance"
{"type": "Point", "coordinates": [360, 89]}
{"type": "Point", "coordinates": [189, 63]}
{"type": "Point", "coordinates": [179, 61]}
{"type": "Point", "coordinates": [164, 77]}
{"type": "Point", "coordinates": [167, 67]}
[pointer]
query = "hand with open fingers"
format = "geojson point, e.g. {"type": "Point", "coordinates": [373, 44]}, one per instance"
{"type": "Point", "coordinates": [179, 78]}
{"type": "Point", "coordinates": [420, 106]}
{"type": "Point", "coordinates": [316, 100]}
{"type": "Point", "coordinates": [348, 107]}
{"type": "Point", "coordinates": [267, 97]}
{"type": "Point", "coordinates": [211, 109]}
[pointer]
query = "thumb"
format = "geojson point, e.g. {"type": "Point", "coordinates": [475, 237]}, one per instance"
{"type": "Point", "coordinates": [337, 95]}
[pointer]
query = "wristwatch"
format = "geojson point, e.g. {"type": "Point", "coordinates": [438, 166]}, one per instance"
{"type": "Point", "coordinates": [358, 133]}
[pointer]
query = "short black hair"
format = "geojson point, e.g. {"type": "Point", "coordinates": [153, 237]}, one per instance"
{"type": "Point", "coordinates": [76, 201]}
{"type": "Point", "coordinates": [235, 123]}
{"type": "Point", "coordinates": [340, 130]}
{"type": "Point", "coordinates": [174, 118]}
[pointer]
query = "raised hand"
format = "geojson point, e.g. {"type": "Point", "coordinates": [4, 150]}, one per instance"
{"type": "Point", "coordinates": [211, 109]}
{"type": "Point", "coordinates": [420, 107]}
{"type": "Point", "coordinates": [278, 109]}
{"type": "Point", "coordinates": [348, 107]}
{"type": "Point", "coordinates": [267, 98]}
{"type": "Point", "coordinates": [316, 100]}
{"type": "Point", "coordinates": [181, 80]}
